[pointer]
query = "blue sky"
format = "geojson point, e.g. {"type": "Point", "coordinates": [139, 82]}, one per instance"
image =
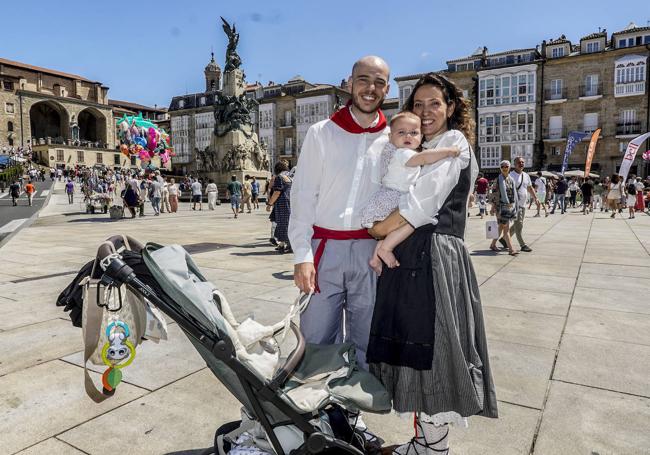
{"type": "Point", "coordinates": [149, 51]}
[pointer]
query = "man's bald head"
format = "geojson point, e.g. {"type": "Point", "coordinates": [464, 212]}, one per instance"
{"type": "Point", "coordinates": [371, 61]}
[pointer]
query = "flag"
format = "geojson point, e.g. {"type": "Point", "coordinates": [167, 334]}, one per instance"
{"type": "Point", "coordinates": [574, 138]}
{"type": "Point", "coordinates": [591, 151]}
{"type": "Point", "coordinates": [630, 154]}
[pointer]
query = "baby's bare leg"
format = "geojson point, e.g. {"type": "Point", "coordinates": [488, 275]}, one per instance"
{"type": "Point", "coordinates": [386, 247]}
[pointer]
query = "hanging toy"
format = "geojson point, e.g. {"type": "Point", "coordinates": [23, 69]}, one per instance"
{"type": "Point", "coordinates": [116, 350]}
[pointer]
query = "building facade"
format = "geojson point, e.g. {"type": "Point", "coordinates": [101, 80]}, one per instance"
{"type": "Point", "coordinates": [528, 100]}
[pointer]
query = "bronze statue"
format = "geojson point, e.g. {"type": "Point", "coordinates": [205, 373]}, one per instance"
{"type": "Point", "coordinates": [233, 61]}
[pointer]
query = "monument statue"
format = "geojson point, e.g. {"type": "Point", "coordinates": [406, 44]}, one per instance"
{"type": "Point", "coordinates": [233, 61]}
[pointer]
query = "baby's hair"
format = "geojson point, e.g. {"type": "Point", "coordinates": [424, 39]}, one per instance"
{"type": "Point", "coordinates": [404, 115]}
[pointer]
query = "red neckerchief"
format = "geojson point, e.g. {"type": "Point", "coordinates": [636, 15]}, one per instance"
{"type": "Point", "coordinates": [344, 119]}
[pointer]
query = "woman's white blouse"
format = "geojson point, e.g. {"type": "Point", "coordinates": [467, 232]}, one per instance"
{"type": "Point", "coordinates": [421, 204]}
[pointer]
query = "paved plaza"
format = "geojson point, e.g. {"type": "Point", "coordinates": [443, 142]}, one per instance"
{"type": "Point", "coordinates": [568, 329]}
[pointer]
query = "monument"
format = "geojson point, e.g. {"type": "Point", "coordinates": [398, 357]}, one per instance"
{"type": "Point", "coordinates": [235, 148]}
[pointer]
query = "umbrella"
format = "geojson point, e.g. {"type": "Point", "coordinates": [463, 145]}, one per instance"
{"type": "Point", "coordinates": [578, 173]}
{"type": "Point", "coordinates": [546, 174]}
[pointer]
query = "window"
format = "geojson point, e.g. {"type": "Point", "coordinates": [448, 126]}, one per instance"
{"type": "Point", "coordinates": [593, 46]}
{"type": "Point", "coordinates": [627, 116]}
{"type": "Point", "coordinates": [490, 156]}
{"type": "Point", "coordinates": [202, 101]}
{"type": "Point", "coordinates": [622, 43]}
{"type": "Point", "coordinates": [590, 122]}
{"type": "Point", "coordinates": [80, 156]}
{"type": "Point", "coordinates": [9, 108]}
{"type": "Point", "coordinates": [630, 42]}
{"type": "Point", "coordinates": [8, 85]}
{"type": "Point", "coordinates": [288, 142]}
{"type": "Point", "coordinates": [100, 158]}
{"type": "Point", "coordinates": [59, 155]}
{"type": "Point", "coordinates": [646, 39]}
{"type": "Point", "coordinates": [556, 89]}
{"type": "Point", "coordinates": [591, 85]}
{"type": "Point", "coordinates": [555, 127]}
{"type": "Point", "coordinates": [557, 52]}
{"type": "Point", "coordinates": [181, 104]}
{"type": "Point", "coordinates": [404, 94]}
{"type": "Point", "coordinates": [133, 160]}
{"type": "Point", "coordinates": [555, 150]}
{"type": "Point", "coordinates": [116, 159]}
{"type": "Point", "coordinates": [10, 126]}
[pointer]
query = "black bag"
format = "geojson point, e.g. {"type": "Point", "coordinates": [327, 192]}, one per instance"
{"type": "Point", "coordinates": [507, 211]}
{"type": "Point", "coordinates": [631, 189]}
{"type": "Point", "coordinates": [71, 298]}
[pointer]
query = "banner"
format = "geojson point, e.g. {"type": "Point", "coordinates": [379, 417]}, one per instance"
{"type": "Point", "coordinates": [630, 154]}
{"type": "Point", "coordinates": [574, 138]}
{"type": "Point", "coordinates": [591, 151]}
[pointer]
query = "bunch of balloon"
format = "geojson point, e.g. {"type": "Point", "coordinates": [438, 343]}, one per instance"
{"type": "Point", "coordinates": [141, 138]}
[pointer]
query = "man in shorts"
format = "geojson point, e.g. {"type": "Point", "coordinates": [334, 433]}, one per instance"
{"type": "Point", "coordinates": [255, 192]}
{"type": "Point", "coordinates": [234, 192]}
{"type": "Point", "coordinates": [540, 189]}
{"type": "Point", "coordinates": [197, 194]}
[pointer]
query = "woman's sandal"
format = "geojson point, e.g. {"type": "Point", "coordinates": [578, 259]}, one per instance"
{"type": "Point", "coordinates": [494, 248]}
{"type": "Point", "coordinates": [513, 253]}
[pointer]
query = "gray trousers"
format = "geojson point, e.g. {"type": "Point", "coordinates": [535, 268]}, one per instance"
{"type": "Point", "coordinates": [342, 311]}
{"type": "Point", "coordinates": [518, 225]}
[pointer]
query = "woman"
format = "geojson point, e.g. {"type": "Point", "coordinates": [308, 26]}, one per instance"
{"type": "Point", "coordinates": [630, 190]}
{"type": "Point", "coordinates": [504, 205]}
{"type": "Point", "coordinates": [130, 198]}
{"type": "Point", "coordinates": [427, 341]}
{"type": "Point", "coordinates": [172, 188]}
{"type": "Point", "coordinates": [614, 194]}
{"type": "Point", "coordinates": [279, 203]}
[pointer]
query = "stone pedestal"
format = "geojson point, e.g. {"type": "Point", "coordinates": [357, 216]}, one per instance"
{"type": "Point", "coordinates": [233, 83]}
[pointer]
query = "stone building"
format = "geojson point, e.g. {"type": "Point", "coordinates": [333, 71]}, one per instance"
{"type": "Point", "coordinates": [192, 121]}
{"type": "Point", "coordinates": [286, 111]}
{"type": "Point", "coordinates": [65, 118]}
{"type": "Point", "coordinates": [527, 100]}
{"type": "Point", "coordinates": [598, 83]}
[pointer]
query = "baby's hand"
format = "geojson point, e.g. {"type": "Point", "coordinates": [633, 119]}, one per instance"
{"type": "Point", "coordinates": [454, 152]}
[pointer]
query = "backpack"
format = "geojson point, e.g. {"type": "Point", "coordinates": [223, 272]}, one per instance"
{"type": "Point", "coordinates": [631, 189]}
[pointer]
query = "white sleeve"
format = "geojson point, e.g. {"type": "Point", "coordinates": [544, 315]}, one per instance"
{"type": "Point", "coordinates": [304, 197]}
{"type": "Point", "coordinates": [403, 155]}
{"type": "Point", "coordinates": [424, 199]}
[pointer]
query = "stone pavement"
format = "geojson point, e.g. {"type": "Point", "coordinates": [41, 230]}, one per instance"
{"type": "Point", "coordinates": [568, 328]}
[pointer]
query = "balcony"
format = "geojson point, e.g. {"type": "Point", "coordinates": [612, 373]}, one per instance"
{"type": "Point", "coordinates": [69, 142]}
{"type": "Point", "coordinates": [554, 96]}
{"type": "Point", "coordinates": [287, 151]}
{"type": "Point", "coordinates": [591, 91]}
{"type": "Point", "coordinates": [629, 89]}
{"type": "Point", "coordinates": [554, 134]}
{"type": "Point", "coordinates": [588, 130]}
{"type": "Point", "coordinates": [284, 124]}
{"type": "Point", "coordinates": [628, 129]}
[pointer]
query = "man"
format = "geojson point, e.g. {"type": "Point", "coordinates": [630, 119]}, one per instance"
{"type": "Point", "coordinates": [197, 194]}
{"type": "Point", "coordinates": [212, 191]}
{"type": "Point", "coordinates": [523, 186]}
{"type": "Point", "coordinates": [234, 193]}
{"type": "Point", "coordinates": [255, 192]}
{"type": "Point", "coordinates": [155, 189]}
{"type": "Point", "coordinates": [14, 189]}
{"type": "Point", "coordinates": [69, 190]}
{"type": "Point", "coordinates": [482, 185]}
{"type": "Point", "coordinates": [338, 170]}
{"type": "Point", "coordinates": [247, 193]}
{"type": "Point", "coordinates": [560, 195]}
{"type": "Point", "coordinates": [540, 187]}
{"type": "Point", "coordinates": [30, 190]}
{"type": "Point", "coordinates": [587, 189]}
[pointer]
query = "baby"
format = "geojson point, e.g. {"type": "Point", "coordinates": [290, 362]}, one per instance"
{"type": "Point", "coordinates": [400, 163]}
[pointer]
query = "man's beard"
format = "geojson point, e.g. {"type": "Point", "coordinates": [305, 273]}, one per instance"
{"type": "Point", "coordinates": [361, 109]}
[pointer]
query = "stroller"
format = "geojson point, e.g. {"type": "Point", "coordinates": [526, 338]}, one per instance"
{"type": "Point", "coordinates": [306, 403]}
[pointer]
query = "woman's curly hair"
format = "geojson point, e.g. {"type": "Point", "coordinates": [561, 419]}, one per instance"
{"type": "Point", "coordinates": [460, 119]}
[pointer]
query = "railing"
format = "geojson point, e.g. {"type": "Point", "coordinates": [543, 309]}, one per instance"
{"type": "Point", "coordinates": [554, 133]}
{"type": "Point", "coordinates": [628, 128]}
{"type": "Point", "coordinates": [588, 129]}
{"type": "Point", "coordinates": [630, 88]}
{"type": "Point", "coordinates": [554, 94]}
{"type": "Point", "coordinates": [287, 151]}
{"type": "Point", "coordinates": [591, 89]}
{"type": "Point", "coordinates": [70, 142]}
{"type": "Point", "coordinates": [285, 124]}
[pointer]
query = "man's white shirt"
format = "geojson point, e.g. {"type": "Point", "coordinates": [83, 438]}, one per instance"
{"type": "Point", "coordinates": [521, 187]}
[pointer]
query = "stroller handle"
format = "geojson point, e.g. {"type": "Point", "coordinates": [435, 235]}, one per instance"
{"type": "Point", "coordinates": [292, 361]}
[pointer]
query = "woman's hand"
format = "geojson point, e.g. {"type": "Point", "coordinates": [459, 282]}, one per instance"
{"type": "Point", "coordinates": [393, 222]}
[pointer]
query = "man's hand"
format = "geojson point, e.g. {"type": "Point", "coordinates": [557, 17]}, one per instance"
{"type": "Point", "coordinates": [304, 276]}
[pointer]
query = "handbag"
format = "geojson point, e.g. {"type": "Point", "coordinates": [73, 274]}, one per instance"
{"type": "Point", "coordinates": [491, 230]}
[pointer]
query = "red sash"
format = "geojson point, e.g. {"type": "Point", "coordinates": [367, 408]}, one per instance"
{"type": "Point", "coordinates": [324, 235]}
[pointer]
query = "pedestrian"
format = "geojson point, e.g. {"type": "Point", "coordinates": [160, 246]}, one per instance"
{"type": "Point", "coordinates": [630, 190]}
{"type": "Point", "coordinates": [606, 185]}
{"type": "Point", "coordinates": [247, 194]}
{"type": "Point", "coordinates": [597, 198]}
{"type": "Point", "coordinates": [69, 190]}
{"type": "Point", "coordinates": [30, 190]}
{"type": "Point", "coordinates": [573, 192]}
{"type": "Point", "coordinates": [212, 191]}
{"type": "Point", "coordinates": [14, 190]}
{"type": "Point", "coordinates": [640, 205]}
{"type": "Point", "coordinates": [173, 195]}
{"type": "Point", "coordinates": [614, 194]}
{"type": "Point", "coordinates": [280, 203]}
{"type": "Point", "coordinates": [523, 187]}
{"type": "Point", "coordinates": [197, 194]}
{"type": "Point", "coordinates": [540, 190]}
{"type": "Point", "coordinates": [155, 189]}
{"type": "Point", "coordinates": [587, 190]}
{"type": "Point", "coordinates": [255, 193]}
{"type": "Point", "coordinates": [234, 193]}
{"type": "Point", "coordinates": [130, 198]}
{"type": "Point", "coordinates": [560, 195]}
{"type": "Point", "coordinates": [482, 186]}
{"type": "Point", "coordinates": [505, 205]}
{"type": "Point", "coordinates": [427, 341]}
{"type": "Point", "coordinates": [143, 192]}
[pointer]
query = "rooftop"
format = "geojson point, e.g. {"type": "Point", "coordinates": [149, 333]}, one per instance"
{"type": "Point", "coordinates": [595, 35]}
{"type": "Point", "coordinates": [135, 106]}
{"type": "Point", "coordinates": [40, 69]}
{"type": "Point", "coordinates": [632, 28]}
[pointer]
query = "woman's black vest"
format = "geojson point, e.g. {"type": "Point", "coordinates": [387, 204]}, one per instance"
{"type": "Point", "coordinates": [452, 216]}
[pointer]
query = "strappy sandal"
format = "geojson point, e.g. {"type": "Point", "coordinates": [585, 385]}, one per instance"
{"type": "Point", "coordinates": [494, 248]}
{"type": "Point", "coordinates": [513, 253]}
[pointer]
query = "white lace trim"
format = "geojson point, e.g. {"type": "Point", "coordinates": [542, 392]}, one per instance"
{"type": "Point", "coordinates": [442, 418]}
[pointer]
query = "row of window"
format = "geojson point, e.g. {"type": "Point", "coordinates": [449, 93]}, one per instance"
{"type": "Point", "coordinates": [635, 41]}
{"type": "Point", "coordinates": [491, 155]}
{"type": "Point", "coordinates": [99, 157]}
{"type": "Point", "coordinates": [507, 127]}
{"type": "Point", "coordinates": [627, 124]}
{"type": "Point", "coordinates": [507, 89]}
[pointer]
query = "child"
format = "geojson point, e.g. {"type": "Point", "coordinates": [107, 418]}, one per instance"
{"type": "Point", "coordinates": [401, 166]}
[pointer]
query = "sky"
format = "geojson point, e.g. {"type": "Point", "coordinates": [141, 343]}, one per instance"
{"type": "Point", "coordinates": [149, 51]}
